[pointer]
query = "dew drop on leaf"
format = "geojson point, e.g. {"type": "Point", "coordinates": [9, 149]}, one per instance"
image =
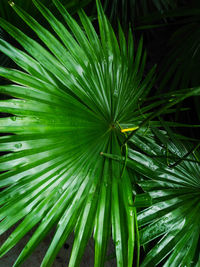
{"type": "Point", "coordinates": [105, 184]}
{"type": "Point", "coordinates": [13, 118]}
{"type": "Point", "coordinates": [131, 213]}
{"type": "Point", "coordinates": [18, 146]}
{"type": "Point", "coordinates": [60, 190]}
{"type": "Point", "coordinates": [117, 243]}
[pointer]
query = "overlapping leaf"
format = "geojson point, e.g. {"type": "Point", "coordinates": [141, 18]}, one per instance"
{"type": "Point", "coordinates": [172, 222]}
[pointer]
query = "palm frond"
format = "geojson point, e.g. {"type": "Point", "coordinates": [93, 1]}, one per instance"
{"type": "Point", "coordinates": [170, 177]}
{"type": "Point", "coordinates": [7, 13]}
{"type": "Point", "coordinates": [69, 96]}
{"type": "Point", "coordinates": [172, 221]}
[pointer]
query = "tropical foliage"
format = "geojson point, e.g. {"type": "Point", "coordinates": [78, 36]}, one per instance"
{"type": "Point", "coordinates": [175, 213]}
{"type": "Point", "coordinates": [81, 141]}
{"type": "Point", "coordinates": [171, 181]}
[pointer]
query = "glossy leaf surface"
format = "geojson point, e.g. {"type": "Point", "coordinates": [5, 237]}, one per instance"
{"type": "Point", "coordinates": [72, 92]}
{"type": "Point", "coordinates": [172, 221]}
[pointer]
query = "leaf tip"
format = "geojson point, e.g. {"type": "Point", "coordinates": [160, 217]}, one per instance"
{"type": "Point", "coordinates": [11, 3]}
{"type": "Point", "coordinates": [130, 129]}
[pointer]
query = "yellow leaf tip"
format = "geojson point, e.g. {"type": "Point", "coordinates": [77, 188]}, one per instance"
{"type": "Point", "coordinates": [129, 129]}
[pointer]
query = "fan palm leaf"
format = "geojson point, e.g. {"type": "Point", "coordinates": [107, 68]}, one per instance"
{"type": "Point", "coordinates": [69, 96]}
{"type": "Point", "coordinates": [171, 178]}
{"type": "Point", "coordinates": [7, 13]}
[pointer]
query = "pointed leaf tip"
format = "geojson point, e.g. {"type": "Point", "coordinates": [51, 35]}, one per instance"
{"type": "Point", "coordinates": [130, 129]}
{"type": "Point", "coordinates": [11, 3]}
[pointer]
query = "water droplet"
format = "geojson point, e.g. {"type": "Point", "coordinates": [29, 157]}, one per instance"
{"type": "Point", "coordinates": [18, 146]}
{"type": "Point", "coordinates": [59, 172]}
{"type": "Point", "coordinates": [117, 243]}
{"type": "Point", "coordinates": [110, 58]}
{"type": "Point", "coordinates": [13, 118]}
{"type": "Point", "coordinates": [80, 70]}
{"type": "Point", "coordinates": [131, 213]}
{"type": "Point", "coordinates": [106, 184]}
{"type": "Point", "coordinates": [60, 190]}
{"type": "Point", "coordinates": [26, 247]}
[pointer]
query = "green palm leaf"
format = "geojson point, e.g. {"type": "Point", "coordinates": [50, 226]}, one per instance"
{"type": "Point", "coordinates": [174, 214]}
{"type": "Point", "coordinates": [69, 97]}
{"type": "Point", "coordinates": [7, 13]}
